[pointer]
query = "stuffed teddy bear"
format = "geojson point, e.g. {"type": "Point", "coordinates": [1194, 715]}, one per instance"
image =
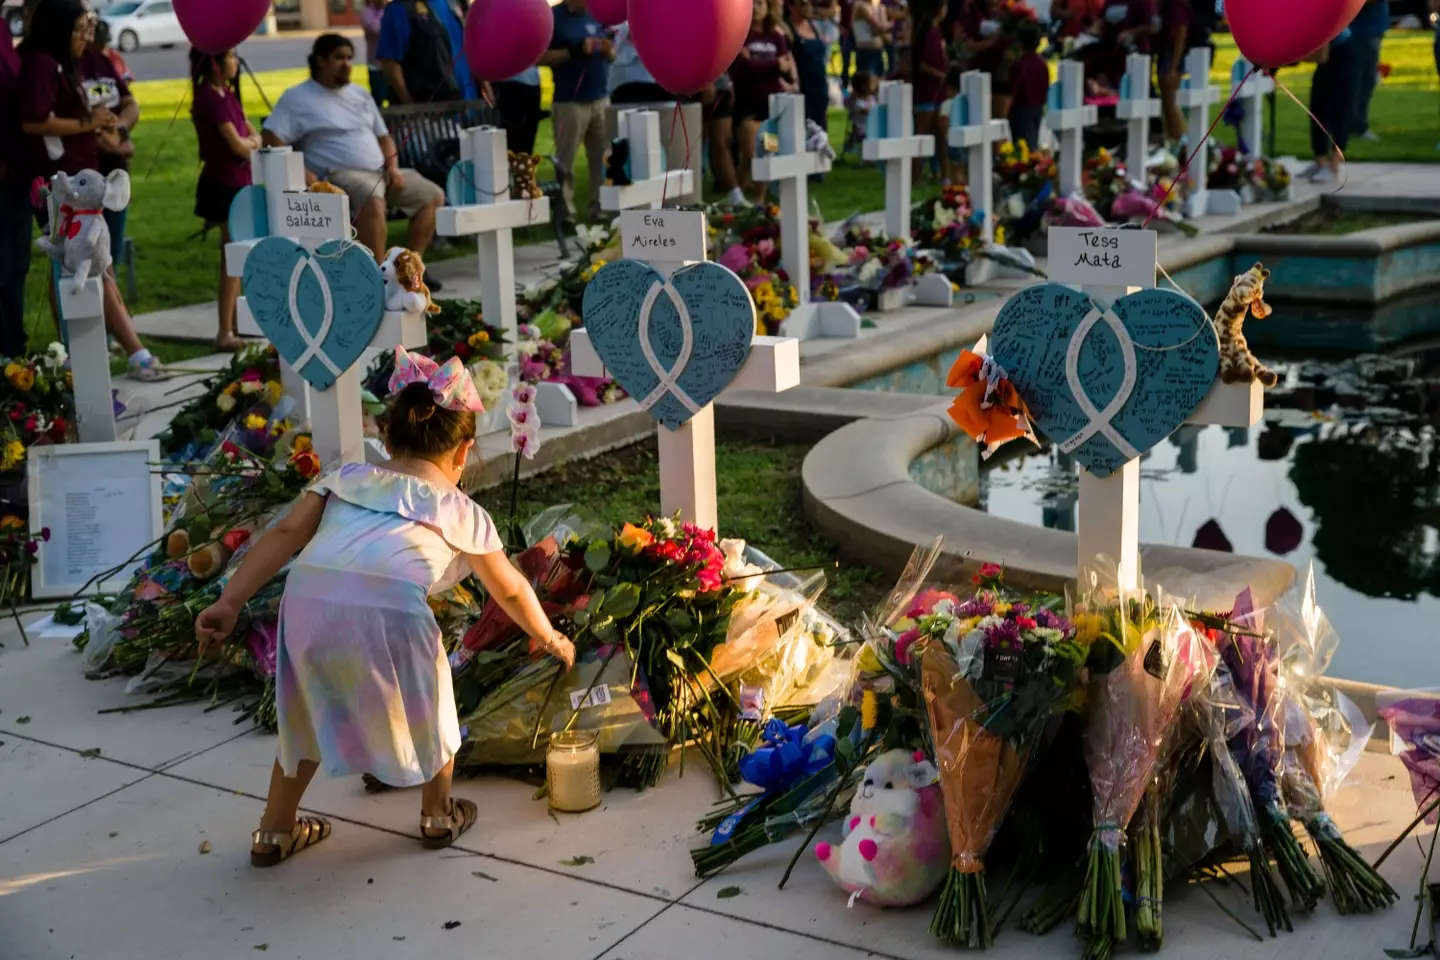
{"type": "Point", "coordinates": [896, 850]}
{"type": "Point", "coordinates": [405, 288]}
{"type": "Point", "coordinates": [617, 164]}
{"type": "Point", "coordinates": [522, 176]}
{"type": "Point", "coordinates": [81, 238]}
{"type": "Point", "coordinates": [324, 186]}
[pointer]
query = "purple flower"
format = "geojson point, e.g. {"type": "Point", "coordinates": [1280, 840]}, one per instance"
{"type": "Point", "coordinates": [1052, 621]}
{"type": "Point", "coordinates": [1006, 632]}
{"type": "Point", "coordinates": [977, 606]}
{"type": "Point", "coordinates": [45, 534]}
{"type": "Point", "coordinates": [31, 547]}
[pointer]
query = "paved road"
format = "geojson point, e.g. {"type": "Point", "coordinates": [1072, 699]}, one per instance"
{"type": "Point", "coordinates": [280, 53]}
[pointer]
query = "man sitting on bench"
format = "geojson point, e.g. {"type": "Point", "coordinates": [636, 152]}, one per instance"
{"type": "Point", "coordinates": [345, 142]}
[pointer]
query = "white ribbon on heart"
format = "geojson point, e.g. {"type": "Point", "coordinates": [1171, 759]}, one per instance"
{"type": "Point", "coordinates": [1099, 420]}
{"type": "Point", "coordinates": [314, 345]}
{"type": "Point", "coordinates": [669, 377]}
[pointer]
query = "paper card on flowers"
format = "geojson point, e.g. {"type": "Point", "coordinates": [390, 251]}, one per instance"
{"type": "Point", "coordinates": [1106, 385]}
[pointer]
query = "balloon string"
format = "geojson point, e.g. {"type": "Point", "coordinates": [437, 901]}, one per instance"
{"type": "Point", "coordinates": [1345, 173]}
{"type": "Point", "coordinates": [160, 147]}
{"type": "Point", "coordinates": [1195, 151]}
{"type": "Point", "coordinates": [680, 114]}
{"type": "Point", "coordinates": [256, 80]}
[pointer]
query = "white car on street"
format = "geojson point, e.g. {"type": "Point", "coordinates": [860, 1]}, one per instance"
{"type": "Point", "coordinates": [143, 23]}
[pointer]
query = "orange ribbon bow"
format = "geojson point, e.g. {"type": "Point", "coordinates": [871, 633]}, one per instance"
{"type": "Point", "coordinates": [988, 409]}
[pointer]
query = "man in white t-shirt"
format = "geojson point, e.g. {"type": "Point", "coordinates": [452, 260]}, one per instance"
{"type": "Point", "coordinates": [338, 127]}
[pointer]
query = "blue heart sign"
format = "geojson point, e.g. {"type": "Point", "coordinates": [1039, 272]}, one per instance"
{"type": "Point", "coordinates": [1106, 385]}
{"type": "Point", "coordinates": [673, 345]}
{"type": "Point", "coordinates": [321, 309]}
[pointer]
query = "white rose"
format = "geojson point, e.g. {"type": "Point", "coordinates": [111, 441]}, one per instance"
{"type": "Point", "coordinates": [225, 402]}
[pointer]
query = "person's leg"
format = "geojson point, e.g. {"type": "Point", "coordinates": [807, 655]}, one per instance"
{"type": "Point", "coordinates": [509, 103]}
{"type": "Point", "coordinates": [847, 50]}
{"type": "Point", "coordinates": [443, 817]}
{"type": "Point", "coordinates": [565, 118]}
{"type": "Point", "coordinates": [1170, 109]}
{"type": "Point", "coordinates": [530, 119]}
{"type": "Point", "coordinates": [117, 318]}
{"type": "Point", "coordinates": [422, 222]}
{"type": "Point", "coordinates": [115, 220]}
{"type": "Point", "coordinates": [282, 804]}
{"type": "Point", "coordinates": [229, 293]}
{"type": "Point", "coordinates": [1320, 85]}
{"type": "Point", "coordinates": [370, 226]}
{"type": "Point", "coordinates": [15, 244]}
{"type": "Point", "coordinates": [1367, 75]}
{"type": "Point", "coordinates": [748, 129]}
{"type": "Point", "coordinates": [595, 146]}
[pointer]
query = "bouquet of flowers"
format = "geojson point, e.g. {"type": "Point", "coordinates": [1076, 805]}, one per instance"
{"type": "Point", "coordinates": [1270, 178]}
{"type": "Point", "coordinates": [1136, 206]}
{"type": "Point", "coordinates": [757, 263]}
{"type": "Point", "coordinates": [542, 359]}
{"type": "Point", "coordinates": [1227, 170]}
{"type": "Point", "coordinates": [949, 225]}
{"type": "Point", "coordinates": [1104, 179]}
{"type": "Point", "coordinates": [1022, 170]}
{"type": "Point", "coordinates": [18, 547]}
{"type": "Point", "coordinates": [250, 380]}
{"type": "Point", "coordinates": [554, 304]}
{"type": "Point", "coordinates": [37, 406]}
{"type": "Point", "coordinates": [994, 673]}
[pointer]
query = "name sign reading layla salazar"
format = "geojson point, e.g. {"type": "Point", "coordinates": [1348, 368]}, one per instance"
{"type": "Point", "coordinates": [673, 344]}
{"type": "Point", "coordinates": [312, 216]}
{"type": "Point", "coordinates": [1106, 385]}
{"type": "Point", "coordinates": [1099, 257]}
{"type": "Point", "coordinates": [662, 235]}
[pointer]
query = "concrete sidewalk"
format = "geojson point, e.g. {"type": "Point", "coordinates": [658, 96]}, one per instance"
{"type": "Point", "coordinates": [103, 818]}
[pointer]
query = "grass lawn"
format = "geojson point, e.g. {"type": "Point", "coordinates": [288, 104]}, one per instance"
{"type": "Point", "coordinates": [1333, 221]}
{"type": "Point", "coordinates": [175, 267]}
{"type": "Point", "coordinates": [759, 500]}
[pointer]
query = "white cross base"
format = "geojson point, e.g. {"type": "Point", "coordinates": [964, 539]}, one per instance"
{"type": "Point", "coordinates": [973, 130]}
{"type": "Point", "coordinates": [651, 184]}
{"type": "Point", "coordinates": [1194, 97]}
{"type": "Point", "coordinates": [1137, 108]}
{"type": "Point", "coordinates": [1068, 116]}
{"type": "Point", "coordinates": [1109, 507]}
{"type": "Point", "coordinates": [83, 307]}
{"type": "Point", "coordinates": [1250, 94]}
{"type": "Point", "coordinates": [687, 455]}
{"type": "Point", "coordinates": [792, 166]}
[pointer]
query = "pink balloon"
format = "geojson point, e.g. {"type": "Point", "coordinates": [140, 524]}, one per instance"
{"type": "Point", "coordinates": [608, 12]}
{"type": "Point", "coordinates": [686, 44]}
{"type": "Point", "coordinates": [508, 37]}
{"type": "Point", "coordinates": [1273, 33]}
{"type": "Point", "coordinates": [216, 27]}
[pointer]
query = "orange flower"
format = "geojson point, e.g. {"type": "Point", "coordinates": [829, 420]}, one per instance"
{"type": "Point", "coordinates": [302, 444]}
{"type": "Point", "coordinates": [306, 463]}
{"type": "Point", "coordinates": [1003, 419]}
{"type": "Point", "coordinates": [634, 539]}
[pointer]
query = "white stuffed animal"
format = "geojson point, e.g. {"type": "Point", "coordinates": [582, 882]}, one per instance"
{"type": "Point", "coordinates": [80, 240]}
{"type": "Point", "coordinates": [405, 289]}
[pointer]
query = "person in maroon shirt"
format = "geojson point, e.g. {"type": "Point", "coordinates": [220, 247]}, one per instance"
{"type": "Point", "coordinates": [1124, 27]}
{"type": "Point", "coordinates": [987, 44]}
{"type": "Point", "coordinates": [763, 67]}
{"type": "Point", "coordinates": [226, 141]}
{"type": "Point", "coordinates": [1030, 84]}
{"type": "Point", "coordinates": [929, 66]}
{"type": "Point", "coordinates": [14, 207]}
{"type": "Point", "coordinates": [62, 132]}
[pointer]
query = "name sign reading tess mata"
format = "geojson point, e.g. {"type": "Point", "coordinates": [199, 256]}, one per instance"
{"type": "Point", "coordinates": [313, 215]}
{"type": "Point", "coordinates": [663, 235]}
{"type": "Point", "coordinates": [1103, 258]}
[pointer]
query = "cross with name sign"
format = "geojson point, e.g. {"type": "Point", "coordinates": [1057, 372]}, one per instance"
{"type": "Point", "coordinates": [299, 298]}
{"type": "Point", "coordinates": [1138, 109]}
{"type": "Point", "coordinates": [1194, 98]}
{"type": "Point", "coordinates": [973, 130]}
{"type": "Point", "coordinates": [1110, 366]}
{"type": "Point", "coordinates": [1067, 115]}
{"type": "Point", "coordinates": [650, 184]}
{"type": "Point", "coordinates": [676, 333]}
{"type": "Point", "coordinates": [478, 204]}
{"type": "Point", "coordinates": [791, 165]}
{"type": "Point", "coordinates": [1250, 92]}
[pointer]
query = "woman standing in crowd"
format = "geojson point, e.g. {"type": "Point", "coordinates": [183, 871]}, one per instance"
{"type": "Point", "coordinates": [63, 135]}
{"type": "Point", "coordinates": [226, 141]}
{"type": "Point", "coordinates": [987, 45]}
{"type": "Point", "coordinates": [871, 30]}
{"type": "Point", "coordinates": [763, 67]}
{"type": "Point", "coordinates": [811, 55]}
{"type": "Point", "coordinates": [1332, 103]}
{"type": "Point", "coordinates": [518, 100]}
{"type": "Point", "coordinates": [929, 65]}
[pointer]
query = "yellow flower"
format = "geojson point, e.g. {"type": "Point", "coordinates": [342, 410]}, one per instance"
{"type": "Point", "coordinates": [11, 522]}
{"type": "Point", "coordinates": [999, 236]}
{"type": "Point", "coordinates": [23, 378]}
{"type": "Point", "coordinates": [1089, 627]}
{"type": "Point", "coordinates": [301, 444]}
{"type": "Point", "coordinates": [478, 339]}
{"type": "Point", "coordinates": [14, 455]}
{"type": "Point", "coordinates": [255, 422]}
{"type": "Point", "coordinates": [1104, 156]}
{"type": "Point", "coordinates": [1000, 609]}
{"type": "Point", "coordinates": [273, 392]}
{"type": "Point", "coordinates": [634, 539]}
{"type": "Point", "coordinates": [1024, 152]}
{"type": "Point", "coordinates": [869, 711]}
{"type": "Point", "coordinates": [232, 389]}
{"type": "Point", "coordinates": [1007, 148]}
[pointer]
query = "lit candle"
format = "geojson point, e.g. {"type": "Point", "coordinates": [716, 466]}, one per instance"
{"type": "Point", "coordinates": [572, 771]}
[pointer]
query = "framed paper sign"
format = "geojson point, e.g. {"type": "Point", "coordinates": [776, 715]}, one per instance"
{"type": "Point", "coordinates": [102, 503]}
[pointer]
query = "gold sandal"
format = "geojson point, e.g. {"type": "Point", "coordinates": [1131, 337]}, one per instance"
{"type": "Point", "coordinates": [462, 817]}
{"type": "Point", "coordinates": [307, 832]}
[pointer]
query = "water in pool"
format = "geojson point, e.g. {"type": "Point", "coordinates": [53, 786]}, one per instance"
{"type": "Point", "coordinates": [1344, 472]}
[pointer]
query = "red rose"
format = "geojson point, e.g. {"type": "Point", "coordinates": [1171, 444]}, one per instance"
{"type": "Point", "coordinates": [235, 539]}
{"type": "Point", "coordinates": [462, 350]}
{"type": "Point", "coordinates": [306, 463]}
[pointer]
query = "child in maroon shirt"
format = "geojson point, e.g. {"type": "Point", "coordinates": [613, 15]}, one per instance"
{"type": "Point", "coordinates": [1030, 83]}
{"type": "Point", "coordinates": [930, 66]}
{"type": "Point", "coordinates": [226, 141]}
{"type": "Point", "coordinates": [763, 67]}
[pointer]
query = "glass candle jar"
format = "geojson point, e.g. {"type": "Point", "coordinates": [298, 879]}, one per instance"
{"type": "Point", "coordinates": [572, 771]}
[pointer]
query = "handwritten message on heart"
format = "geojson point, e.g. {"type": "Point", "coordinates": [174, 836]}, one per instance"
{"type": "Point", "coordinates": [1106, 385]}
{"type": "Point", "coordinates": [673, 346]}
{"type": "Point", "coordinates": [320, 310]}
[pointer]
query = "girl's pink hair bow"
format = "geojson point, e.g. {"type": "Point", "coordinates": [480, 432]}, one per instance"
{"type": "Point", "coordinates": [450, 383]}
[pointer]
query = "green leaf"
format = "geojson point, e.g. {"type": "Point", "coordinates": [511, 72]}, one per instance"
{"type": "Point", "coordinates": [90, 754]}
{"type": "Point", "coordinates": [725, 893]}
{"type": "Point", "coordinates": [846, 750]}
{"type": "Point", "coordinates": [581, 617]}
{"type": "Point", "coordinates": [676, 659]}
{"type": "Point", "coordinates": [680, 621]}
{"type": "Point", "coordinates": [622, 600]}
{"type": "Point", "coordinates": [597, 556]}
{"type": "Point", "coordinates": [577, 861]}
{"type": "Point", "coordinates": [845, 723]}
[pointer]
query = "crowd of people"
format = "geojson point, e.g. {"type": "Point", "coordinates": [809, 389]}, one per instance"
{"type": "Point", "coordinates": [65, 104]}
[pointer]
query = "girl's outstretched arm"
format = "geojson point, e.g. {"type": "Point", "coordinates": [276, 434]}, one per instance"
{"type": "Point", "coordinates": [515, 596]}
{"type": "Point", "coordinates": [271, 552]}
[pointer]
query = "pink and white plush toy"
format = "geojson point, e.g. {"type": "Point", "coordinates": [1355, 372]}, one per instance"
{"type": "Point", "coordinates": [896, 850]}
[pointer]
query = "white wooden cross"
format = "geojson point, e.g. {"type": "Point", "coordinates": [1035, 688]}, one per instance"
{"type": "Point", "coordinates": [687, 455]}
{"type": "Point", "coordinates": [1109, 507]}
{"type": "Point", "coordinates": [974, 131]}
{"type": "Point", "coordinates": [651, 184]}
{"type": "Point", "coordinates": [1137, 108]}
{"type": "Point", "coordinates": [792, 166]}
{"type": "Point", "coordinates": [83, 308]}
{"type": "Point", "coordinates": [1067, 116]}
{"type": "Point", "coordinates": [1250, 94]}
{"type": "Point", "coordinates": [335, 415]}
{"type": "Point", "coordinates": [478, 204]}
{"type": "Point", "coordinates": [1194, 97]}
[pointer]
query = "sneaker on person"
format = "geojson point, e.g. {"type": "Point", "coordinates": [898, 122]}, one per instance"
{"type": "Point", "coordinates": [147, 369]}
{"type": "Point", "coordinates": [1324, 175]}
{"type": "Point", "coordinates": [434, 284]}
{"type": "Point", "coordinates": [736, 198]}
{"type": "Point", "coordinates": [1309, 172]}
{"type": "Point", "coordinates": [1370, 135]}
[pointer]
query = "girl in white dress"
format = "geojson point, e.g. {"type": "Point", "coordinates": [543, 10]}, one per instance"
{"type": "Point", "coordinates": [362, 681]}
